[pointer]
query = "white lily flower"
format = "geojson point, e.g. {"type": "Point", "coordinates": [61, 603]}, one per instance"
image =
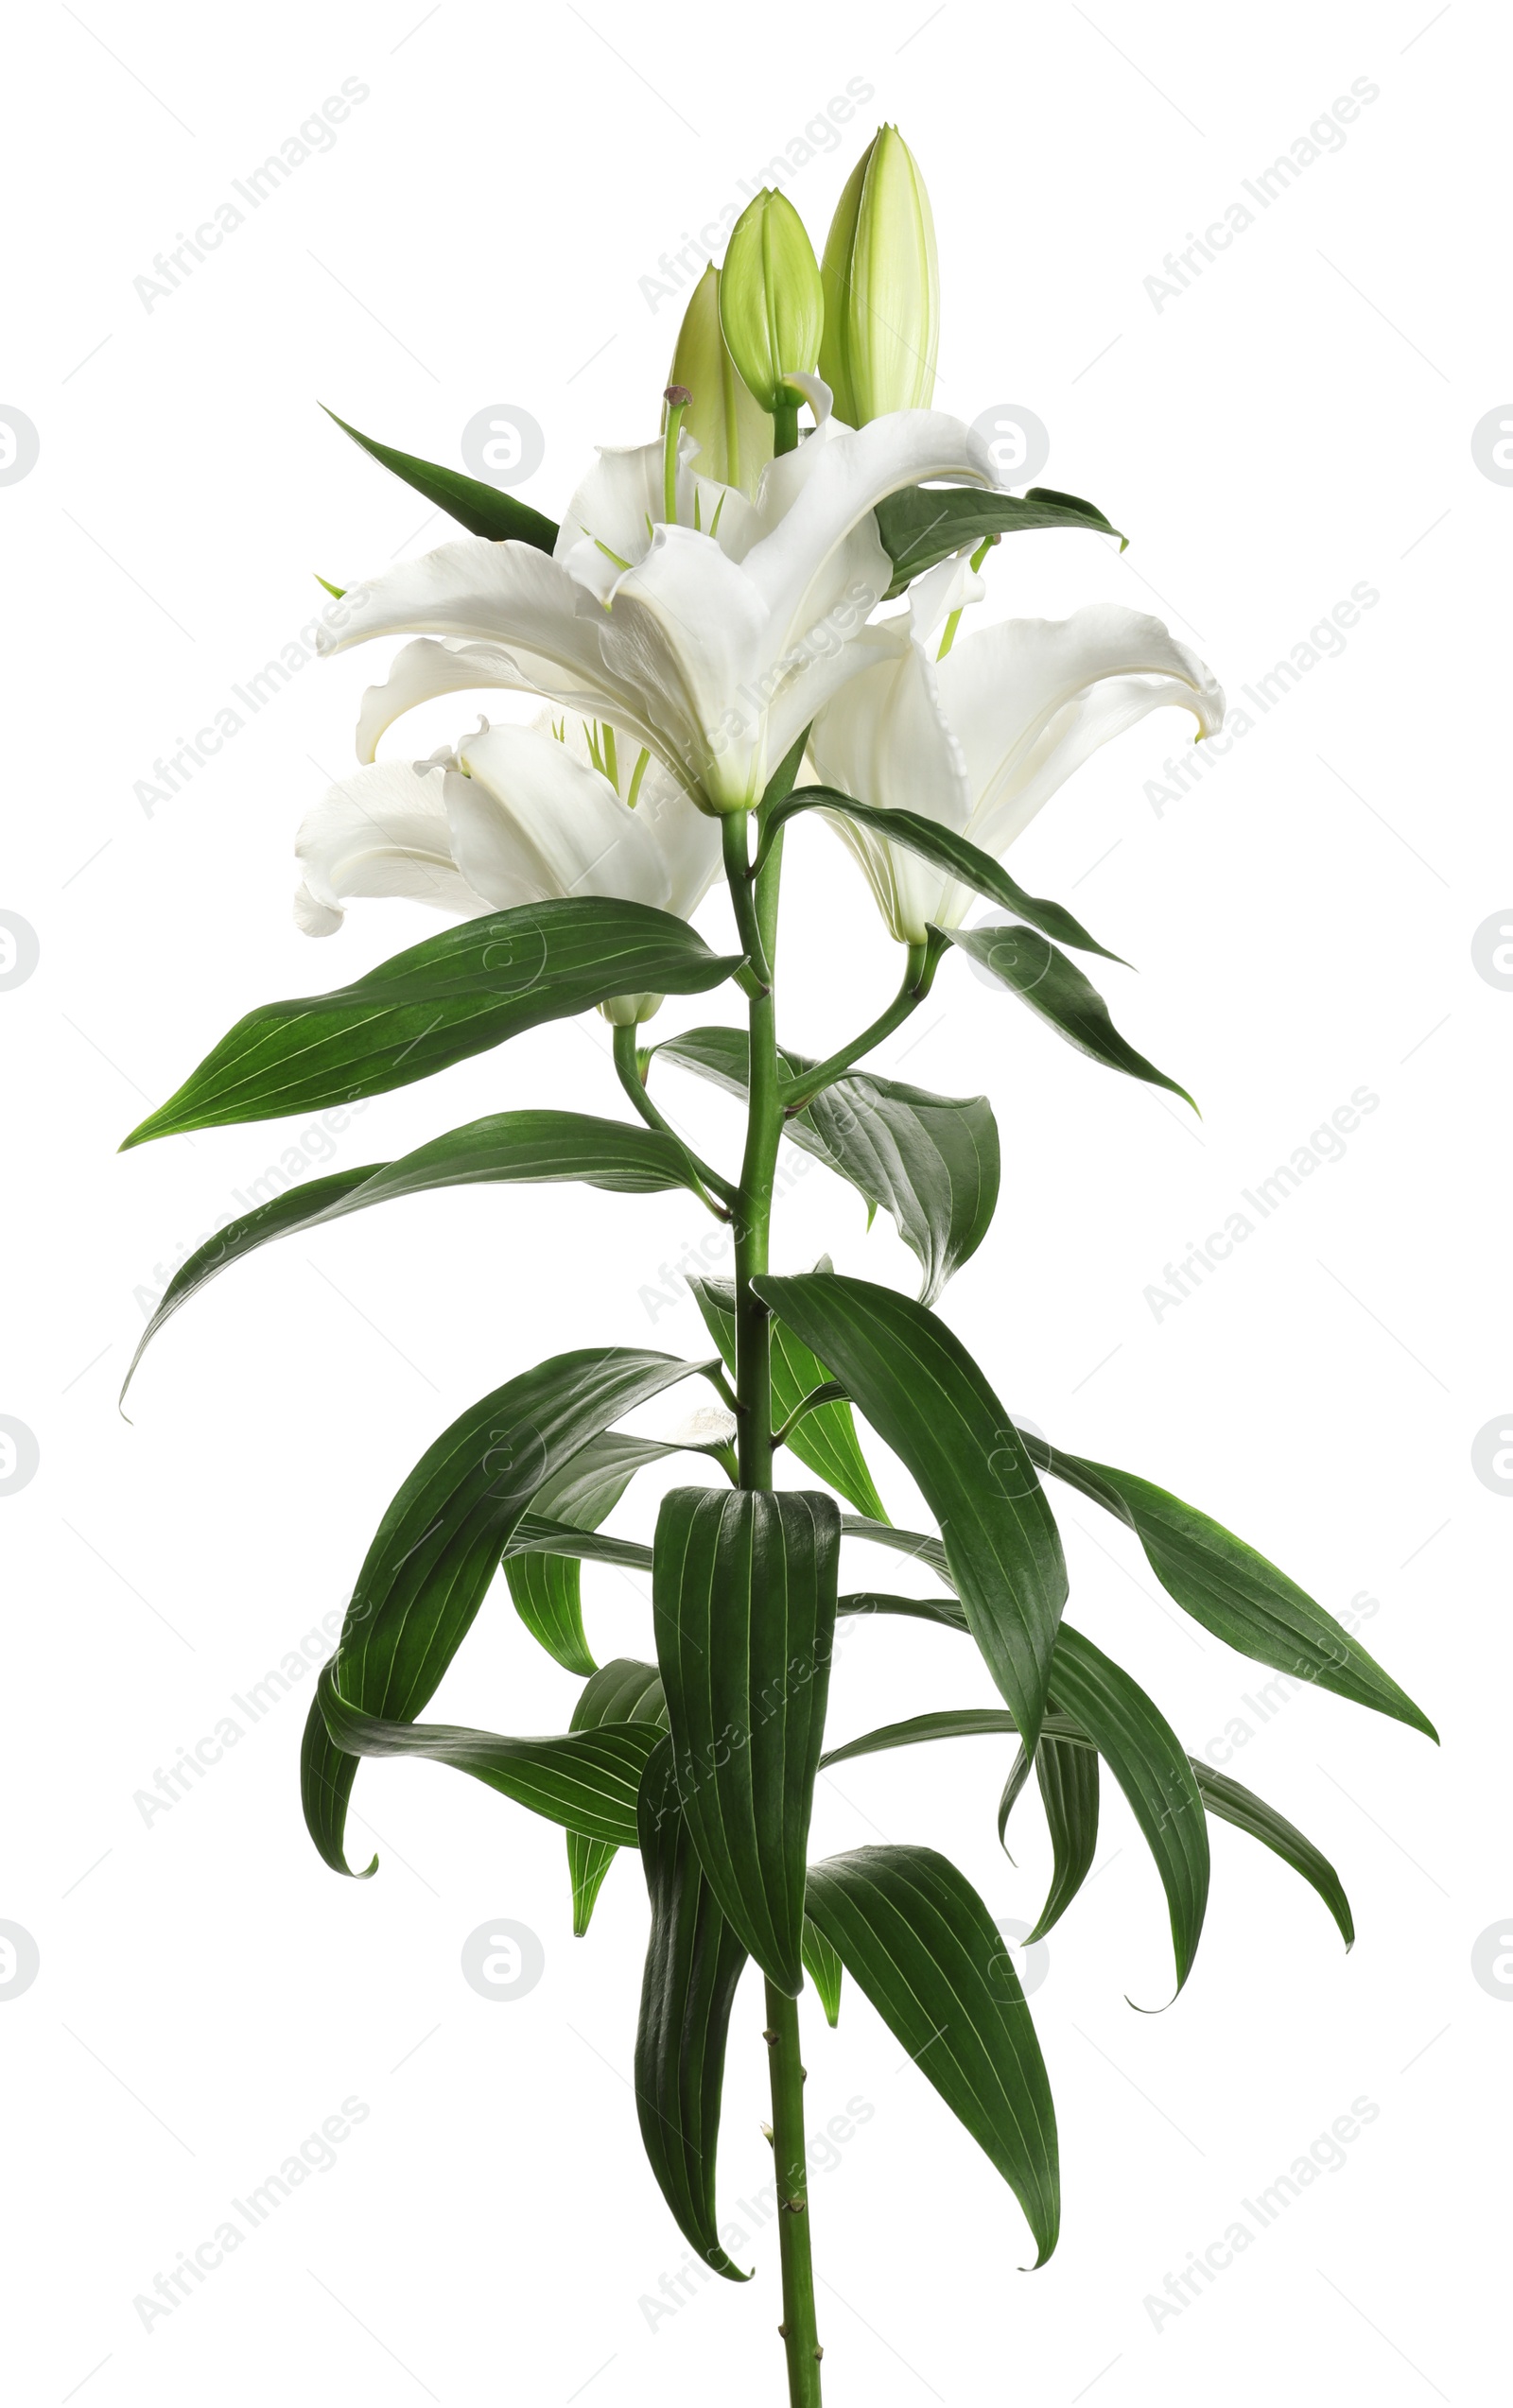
{"type": "Point", "coordinates": [980, 740]}
{"type": "Point", "coordinates": [711, 642]}
{"type": "Point", "coordinates": [513, 816]}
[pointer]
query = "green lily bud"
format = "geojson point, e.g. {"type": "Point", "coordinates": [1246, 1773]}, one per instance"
{"type": "Point", "coordinates": [772, 304]}
{"type": "Point", "coordinates": [730, 427]}
{"type": "Point", "coordinates": [882, 285]}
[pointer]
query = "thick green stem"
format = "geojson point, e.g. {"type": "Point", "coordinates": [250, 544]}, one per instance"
{"type": "Point", "coordinates": [800, 2338]}
{"type": "Point", "coordinates": [754, 902]}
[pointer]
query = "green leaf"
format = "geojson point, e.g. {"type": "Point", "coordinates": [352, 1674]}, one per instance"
{"type": "Point", "coordinates": [825, 1439]}
{"type": "Point", "coordinates": [481, 509]}
{"type": "Point", "coordinates": [743, 1601]}
{"type": "Point", "coordinates": [1233, 1591]}
{"type": "Point", "coordinates": [1250, 1813]}
{"type": "Point", "coordinates": [922, 1609]}
{"type": "Point", "coordinates": [587, 1780]}
{"type": "Point", "coordinates": [919, 1388]}
{"type": "Point", "coordinates": [944, 850]}
{"type": "Point", "coordinates": [931, 1161]}
{"type": "Point", "coordinates": [1152, 1768]}
{"type": "Point", "coordinates": [1067, 1770]}
{"type": "Point", "coordinates": [542, 1561]}
{"type": "Point", "coordinates": [693, 1964]}
{"type": "Point", "coordinates": [925, 524]}
{"type": "Point", "coordinates": [439, 1545]}
{"type": "Point", "coordinates": [623, 1692]}
{"type": "Point", "coordinates": [917, 1938]}
{"type": "Point", "coordinates": [902, 1542]}
{"type": "Point", "coordinates": [454, 996]}
{"type": "Point", "coordinates": [1033, 969]}
{"type": "Point", "coordinates": [825, 1969]}
{"type": "Point", "coordinates": [952, 1722]}
{"type": "Point", "coordinates": [507, 1147]}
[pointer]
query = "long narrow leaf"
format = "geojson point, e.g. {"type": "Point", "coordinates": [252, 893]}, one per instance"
{"type": "Point", "coordinates": [1248, 1813]}
{"type": "Point", "coordinates": [483, 510]}
{"type": "Point", "coordinates": [1033, 969]}
{"type": "Point", "coordinates": [825, 1439]}
{"type": "Point", "coordinates": [693, 1964]}
{"type": "Point", "coordinates": [743, 1601]}
{"type": "Point", "coordinates": [439, 1545]}
{"type": "Point", "coordinates": [919, 1388]}
{"type": "Point", "coordinates": [454, 994]}
{"type": "Point", "coordinates": [928, 523]}
{"type": "Point", "coordinates": [917, 1940]}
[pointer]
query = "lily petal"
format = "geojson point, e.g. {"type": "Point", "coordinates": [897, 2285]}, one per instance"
{"type": "Point", "coordinates": [382, 831]}
{"type": "Point", "coordinates": [528, 821]}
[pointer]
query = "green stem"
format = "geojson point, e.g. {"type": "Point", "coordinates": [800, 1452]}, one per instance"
{"type": "Point", "coordinates": [785, 427]}
{"type": "Point", "coordinates": [800, 2336]}
{"type": "Point", "coordinates": [628, 1070]}
{"type": "Point", "coordinates": [919, 976]}
{"type": "Point", "coordinates": [754, 902]}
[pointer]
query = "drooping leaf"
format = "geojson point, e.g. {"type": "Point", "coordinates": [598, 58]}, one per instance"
{"type": "Point", "coordinates": [1067, 1770]}
{"type": "Point", "coordinates": [507, 1147]}
{"type": "Point", "coordinates": [483, 510]}
{"type": "Point", "coordinates": [928, 523]}
{"type": "Point", "coordinates": [944, 850]}
{"type": "Point", "coordinates": [825, 1970]}
{"type": "Point", "coordinates": [825, 1439]}
{"type": "Point", "coordinates": [1152, 1768]}
{"type": "Point", "coordinates": [588, 1780]}
{"type": "Point", "coordinates": [1040, 974]}
{"type": "Point", "coordinates": [1248, 1813]}
{"type": "Point", "coordinates": [931, 1161]}
{"type": "Point", "coordinates": [623, 1692]}
{"type": "Point", "coordinates": [693, 1964]}
{"type": "Point", "coordinates": [952, 1722]}
{"type": "Point", "coordinates": [545, 1582]}
{"type": "Point", "coordinates": [917, 1940]}
{"type": "Point", "coordinates": [919, 1388]}
{"type": "Point", "coordinates": [439, 1545]}
{"type": "Point", "coordinates": [438, 1002]}
{"type": "Point", "coordinates": [1233, 1591]}
{"type": "Point", "coordinates": [743, 1601]}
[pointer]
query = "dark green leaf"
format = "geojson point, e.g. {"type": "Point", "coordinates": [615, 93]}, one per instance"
{"type": "Point", "coordinates": [1067, 1770]}
{"type": "Point", "coordinates": [534, 1146]}
{"type": "Point", "coordinates": [481, 509]}
{"type": "Point", "coordinates": [693, 1964]}
{"type": "Point", "coordinates": [922, 1609]}
{"type": "Point", "coordinates": [545, 1585]}
{"type": "Point", "coordinates": [743, 1600]}
{"type": "Point", "coordinates": [587, 1780]}
{"type": "Point", "coordinates": [1250, 1813]}
{"type": "Point", "coordinates": [1234, 1593]}
{"type": "Point", "coordinates": [439, 1545]}
{"type": "Point", "coordinates": [931, 1161]}
{"type": "Point", "coordinates": [825, 1439]}
{"type": "Point", "coordinates": [925, 524]}
{"type": "Point", "coordinates": [1152, 1768]}
{"type": "Point", "coordinates": [915, 1936]}
{"type": "Point", "coordinates": [952, 1722]}
{"type": "Point", "coordinates": [824, 1968]}
{"type": "Point", "coordinates": [902, 1542]}
{"type": "Point", "coordinates": [927, 1399]}
{"type": "Point", "coordinates": [1033, 969]}
{"type": "Point", "coordinates": [944, 850]}
{"type": "Point", "coordinates": [454, 996]}
{"type": "Point", "coordinates": [624, 1692]}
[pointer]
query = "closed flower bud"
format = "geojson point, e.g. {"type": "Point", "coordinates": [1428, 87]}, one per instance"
{"type": "Point", "coordinates": [882, 286]}
{"type": "Point", "coordinates": [772, 306]}
{"type": "Point", "coordinates": [731, 430]}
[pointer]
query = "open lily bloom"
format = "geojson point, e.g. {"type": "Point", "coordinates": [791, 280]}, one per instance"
{"type": "Point", "coordinates": [711, 641]}
{"type": "Point", "coordinates": [515, 815]}
{"type": "Point", "coordinates": [982, 740]}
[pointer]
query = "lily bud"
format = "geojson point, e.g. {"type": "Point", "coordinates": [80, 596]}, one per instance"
{"type": "Point", "coordinates": [772, 304]}
{"type": "Point", "coordinates": [731, 428]}
{"type": "Point", "coordinates": [882, 286]}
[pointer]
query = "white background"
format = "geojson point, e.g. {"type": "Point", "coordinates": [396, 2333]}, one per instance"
{"type": "Point", "coordinates": [1296, 423]}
